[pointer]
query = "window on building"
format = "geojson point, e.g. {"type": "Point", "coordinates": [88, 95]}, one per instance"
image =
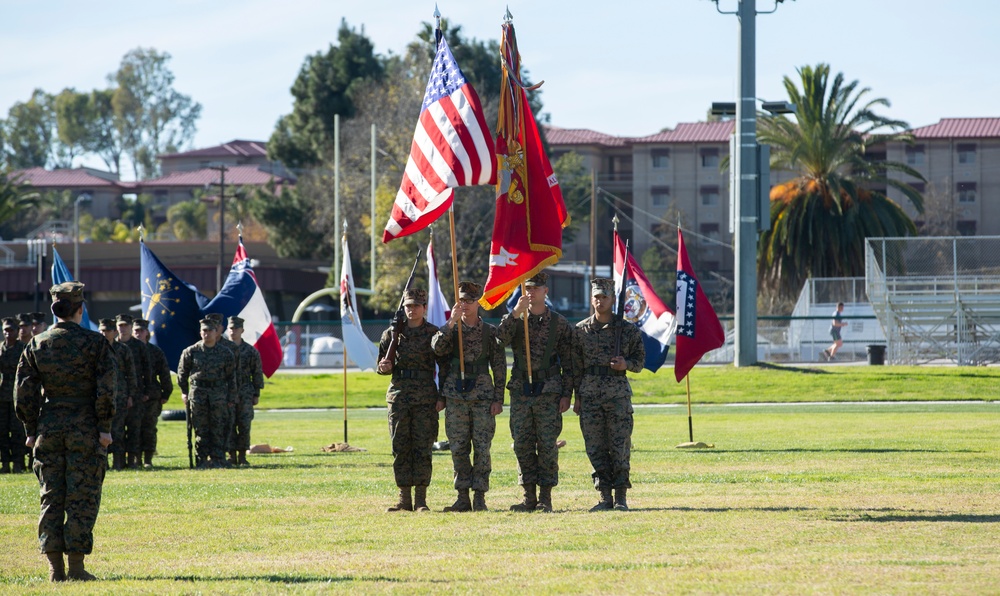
{"type": "Point", "coordinates": [966, 227]}
{"type": "Point", "coordinates": [966, 192]}
{"type": "Point", "coordinates": [710, 158]}
{"type": "Point", "coordinates": [660, 196]}
{"type": "Point", "coordinates": [712, 266]}
{"type": "Point", "coordinates": [966, 153]}
{"type": "Point", "coordinates": [709, 196]}
{"type": "Point", "coordinates": [709, 230]}
{"type": "Point", "coordinates": [915, 155]}
{"type": "Point", "coordinates": [919, 187]}
{"type": "Point", "coordinates": [661, 158]}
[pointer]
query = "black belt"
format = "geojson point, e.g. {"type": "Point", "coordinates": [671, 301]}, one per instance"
{"type": "Point", "coordinates": [206, 384]}
{"type": "Point", "coordinates": [603, 371]}
{"type": "Point", "coordinates": [472, 368]}
{"type": "Point", "coordinates": [412, 373]}
{"type": "Point", "coordinates": [536, 375]}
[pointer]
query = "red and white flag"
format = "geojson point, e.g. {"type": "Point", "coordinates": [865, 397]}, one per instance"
{"type": "Point", "coordinates": [698, 328]}
{"type": "Point", "coordinates": [451, 147]}
{"type": "Point", "coordinates": [241, 296]}
{"type": "Point", "coordinates": [530, 216]}
{"type": "Point", "coordinates": [437, 307]}
{"type": "Point", "coordinates": [359, 348]}
{"type": "Point", "coordinates": [643, 307]}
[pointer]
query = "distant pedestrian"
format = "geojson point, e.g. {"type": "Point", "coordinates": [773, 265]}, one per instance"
{"type": "Point", "coordinates": [835, 327]}
{"type": "Point", "coordinates": [66, 400]}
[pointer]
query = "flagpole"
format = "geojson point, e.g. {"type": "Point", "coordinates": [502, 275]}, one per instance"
{"type": "Point", "coordinates": [344, 353]}
{"type": "Point", "coordinates": [527, 344]}
{"type": "Point", "coordinates": [454, 281]}
{"type": "Point", "coordinates": [687, 379]}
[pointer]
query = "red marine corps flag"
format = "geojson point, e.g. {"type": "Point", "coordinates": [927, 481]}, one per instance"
{"type": "Point", "coordinates": [530, 216]}
{"type": "Point", "coordinates": [698, 328]}
{"type": "Point", "coordinates": [451, 147]}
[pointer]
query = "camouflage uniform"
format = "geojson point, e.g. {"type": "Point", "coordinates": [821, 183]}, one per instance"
{"type": "Point", "coordinates": [206, 376]}
{"type": "Point", "coordinates": [11, 430]}
{"type": "Point", "coordinates": [65, 398]}
{"type": "Point", "coordinates": [605, 397]}
{"type": "Point", "coordinates": [535, 421]}
{"type": "Point", "coordinates": [468, 421]}
{"type": "Point", "coordinates": [411, 398]}
{"type": "Point", "coordinates": [230, 420]}
{"type": "Point", "coordinates": [160, 388]}
{"type": "Point", "coordinates": [125, 386]}
{"type": "Point", "coordinates": [249, 383]}
{"type": "Point", "coordinates": [143, 379]}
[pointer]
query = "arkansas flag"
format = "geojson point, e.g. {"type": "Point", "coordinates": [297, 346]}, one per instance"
{"type": "Point", "coordinates": [359, 348]}
{"type": "Point", "coordinates": [643, 308]}
{"type": "Point", "coordinates": [530, 213]}
{"type": "Point", "coordinates": [437, 307]}
{"type": "Point", "coordinates": [698, 328]}
{"type": "Point", "coordinates": [451, 147]}
{"type": "Point", "coordinates": [241, 296]}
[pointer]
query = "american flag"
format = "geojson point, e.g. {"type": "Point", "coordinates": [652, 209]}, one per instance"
{"type": "Point", "coordinates": [452, 146]}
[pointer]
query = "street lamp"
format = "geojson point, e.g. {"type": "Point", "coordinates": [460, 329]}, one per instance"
{"type": "Point", "coordinates": [84, 198]}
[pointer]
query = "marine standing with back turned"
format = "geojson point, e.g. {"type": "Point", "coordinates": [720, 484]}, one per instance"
{"type": "Point", "coordinates": [65, 398]}
{"type": "Point", "coordinates": [606, 347]}
{"type": "Point", "coordinates": [473, 404]}
{"type": "Point", "coordinates": [11, 430]}
{"type": "Point", "coordinates": [160, 388]}
{"type": "Point", "coordinates": [125, 388]}
{"type": "Point", "coordinates": [412, 399]}
{"type": "Point", "coordinates": [536, 409]}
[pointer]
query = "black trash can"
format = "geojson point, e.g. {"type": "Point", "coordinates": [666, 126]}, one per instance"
{"type": "Point", "coordinates": [876, 354]}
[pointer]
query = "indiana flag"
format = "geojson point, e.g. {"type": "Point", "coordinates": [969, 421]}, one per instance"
{"type": "Point", "coordinates": [172, 307]}
{"type": "Point", "coordinates": [451, 147]}
{"type": "Point", "coordinates": [61, 274]}
{"type": "Point", "coordinates": [643, 307]}
{"type": "Point", "coordinates": [359, 348]}
{"type": "Point", "coordinates": [242, 296]}
{"type": "Point", "coordinates": [437, 307]}
{"type": "Point", "coordinates": [530, 213]}
{"type": "Point", "coordinates": [698, 328]}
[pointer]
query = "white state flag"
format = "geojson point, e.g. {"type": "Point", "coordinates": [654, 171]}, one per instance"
{"type": "Point", "coordinates": [437, 306]}
{"type": "Point", "coordinates": [359, 348]}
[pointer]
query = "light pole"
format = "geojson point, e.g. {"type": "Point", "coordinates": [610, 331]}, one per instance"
{"type": "Point", "coordinates": [76, 234]}
{"type": "Point", "coordinates": [221, 169]}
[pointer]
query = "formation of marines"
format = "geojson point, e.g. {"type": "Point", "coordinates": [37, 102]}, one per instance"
{"type": "Point", "coordinates": [556, 362]}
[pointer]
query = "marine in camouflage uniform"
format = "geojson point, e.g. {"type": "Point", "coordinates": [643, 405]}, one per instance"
{"type": "Point", "coordinates": [603, 393]}
{"type": "Point", "coordinates": [25, 330]}
{"type": "Point", "coordinates": [412, 399]}
{"type": "Point", "coordinates": [248, 385]}
{"type": "Point", "coordinates": [65, 398]}
{"type": "Point", "coordinates": [536, 415]}
{"type": "Point", "coordinates": [230, 422]}
{"type": "Point", "coordinates": [143, 380]}
{"type": "Point", "coordinates": [470, 418]}
{"type": "Point", "coordinates": [11, 430]}
{"type": "Point", "coordinates": [125, 388]}
{"type": "Point", "coordinates": [160, 388]}
{"type": "Point", "coordinates": [205, 376]}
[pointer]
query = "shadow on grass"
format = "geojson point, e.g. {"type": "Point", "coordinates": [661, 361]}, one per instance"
{"type": "Point", "coordinates": [726, 509]}
{"type": "Point", "coordinates": [794, 369]}
{"type": "Point", "coordinates": [917, 516]}
{"type": "Point", "coordinates": [274, 578]}
{"type": "Point", "coordinates": [804, 450]}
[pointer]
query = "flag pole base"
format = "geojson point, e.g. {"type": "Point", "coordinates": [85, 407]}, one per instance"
{"type": "Point", "coordinates": [696, 445]}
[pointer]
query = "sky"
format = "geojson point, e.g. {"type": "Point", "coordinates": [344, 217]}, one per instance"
{"type": "Point", "coordinates": [628, 68]}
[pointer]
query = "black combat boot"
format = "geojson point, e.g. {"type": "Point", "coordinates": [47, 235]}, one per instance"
{"type": "Point", "coordinates": [606, 503]}
{"type": "Point", "coordinates": [530, 500]}
{"type": "Point", "coordinates": [5, 469]}
{"type": "Point", "coordinates": [405, 502]}
{"type": "Point", "coordinates": [544, 499]}
{"type": "Point", "coordinates": [242, 457]}
{"type": "Point", "coordinates": [147, 460]}
{"type": "Point", "coordinates": [18, 465]}
{"type": "Point", "coordinates": [117, 461]}
{"type": "Point", "coordinates": [462, 503]}
{"type": "Point", "coordinates": [420, 498]}
{"type": "Point", "coordinates": [57, 570]}
{"type": "Point", "coordinates": [620, 503]}
{"type": "Point", "coordinates": [479, 501]}
{"type": "Point", "coordinates": [76, 570]}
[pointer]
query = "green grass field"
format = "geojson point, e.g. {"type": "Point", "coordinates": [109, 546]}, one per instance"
{"type": "Point", "coordinates": [892, 498]}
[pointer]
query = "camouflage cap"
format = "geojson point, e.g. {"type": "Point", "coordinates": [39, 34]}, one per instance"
{"type": "Point", "coordinates": [9, 323]}
{"type": "Point", "coordinates": [469, 290]}
{"type": "Point", "coordinates": [37, 317]}
{"type": "Point", "coordinates": [235, 322]}
{"type": "Point", "coordinates": [108, 325]}
{"type": "Point", "coordinates": [124, 318]}
{"type": "Point", "coordinates": [602, 286]}
{"type": "Point", "coordinates": [415, 296]}
{"type": "Point", "coordinates": [539, 279]}
{"type": "Point", "coordinates": [208, 323]}
{"type": "Point", "coordinates": [141, 323]}
{"type": "Point", "coordinates": [70, 291]}
{"type": "Point", "coordinates": [24, 320]}
{"type": "Point", "coordinates": [215, 317]}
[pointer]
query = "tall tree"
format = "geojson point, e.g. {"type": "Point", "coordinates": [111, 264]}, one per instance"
{"type": "Point", "coordinates": [15, 198]}
{"type": "Point", "coordinates": [30, 132]}
{"type": "Point", "coordinates": [151, 116]}
{"type": "Point", "coordinates": [74, 123]}
{"type": "Point", "coordinates": [189, 220]}
{"type": "Point", "coordinates": [106, 137]}
{"type": "Point", "coordinates": [821, 218]}
{"type": "Point", "coordinates": [325, 87]}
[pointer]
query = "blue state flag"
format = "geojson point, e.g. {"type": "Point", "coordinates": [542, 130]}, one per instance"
{"type": "Point", "coordinates": [61, 274]}
{"type": "Point", "coordinates": [171, 306]}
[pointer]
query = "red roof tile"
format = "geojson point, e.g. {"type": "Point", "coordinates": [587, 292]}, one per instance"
{"type": "Point", "coordinates": [67, 178]}
{"type": "Point", "coordinates": [693, 132]}
{"type": "Point", "coordinates": [582, 136]}
{"type": "Point", "coordinates": [235, 148]}
{"type": "Point", "coordinates": [958, 128]}
{"type": "Point", "coordinates": [236, 175]}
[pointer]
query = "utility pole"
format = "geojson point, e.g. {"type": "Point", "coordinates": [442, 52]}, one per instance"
{"type": "Point", "coordinates": [221, 169]}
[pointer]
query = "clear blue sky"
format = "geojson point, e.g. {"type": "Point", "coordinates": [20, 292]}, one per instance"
{"type": "Point", "coordinates": [627, 68]}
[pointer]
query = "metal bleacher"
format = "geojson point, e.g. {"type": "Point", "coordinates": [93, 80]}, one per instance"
{"type": "Point", "coordinates": [937, 299]}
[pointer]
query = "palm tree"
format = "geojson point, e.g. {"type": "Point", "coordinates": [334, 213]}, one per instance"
{"type": "Point", "coordinates": [15, 197]}
{"type": "Point", "coordinates": [821, 218]}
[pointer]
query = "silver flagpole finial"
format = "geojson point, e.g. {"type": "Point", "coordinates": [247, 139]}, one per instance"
{"type": "Point", "coordinates": [437, 13]}
{"type": "Point", "coordinates": [142, 232]}
{"type": "Point", "coordinates": [615, 221]}
{"type": "Point", "coordinates": [507, 18]}
{"type": "Point", "coordinates": [239, 227]}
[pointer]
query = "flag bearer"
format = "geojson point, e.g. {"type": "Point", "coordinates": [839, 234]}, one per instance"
{"type": "Point", "coordinates": [160, 388]}
{"type": "Point", "coordinates": [248, 386]}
